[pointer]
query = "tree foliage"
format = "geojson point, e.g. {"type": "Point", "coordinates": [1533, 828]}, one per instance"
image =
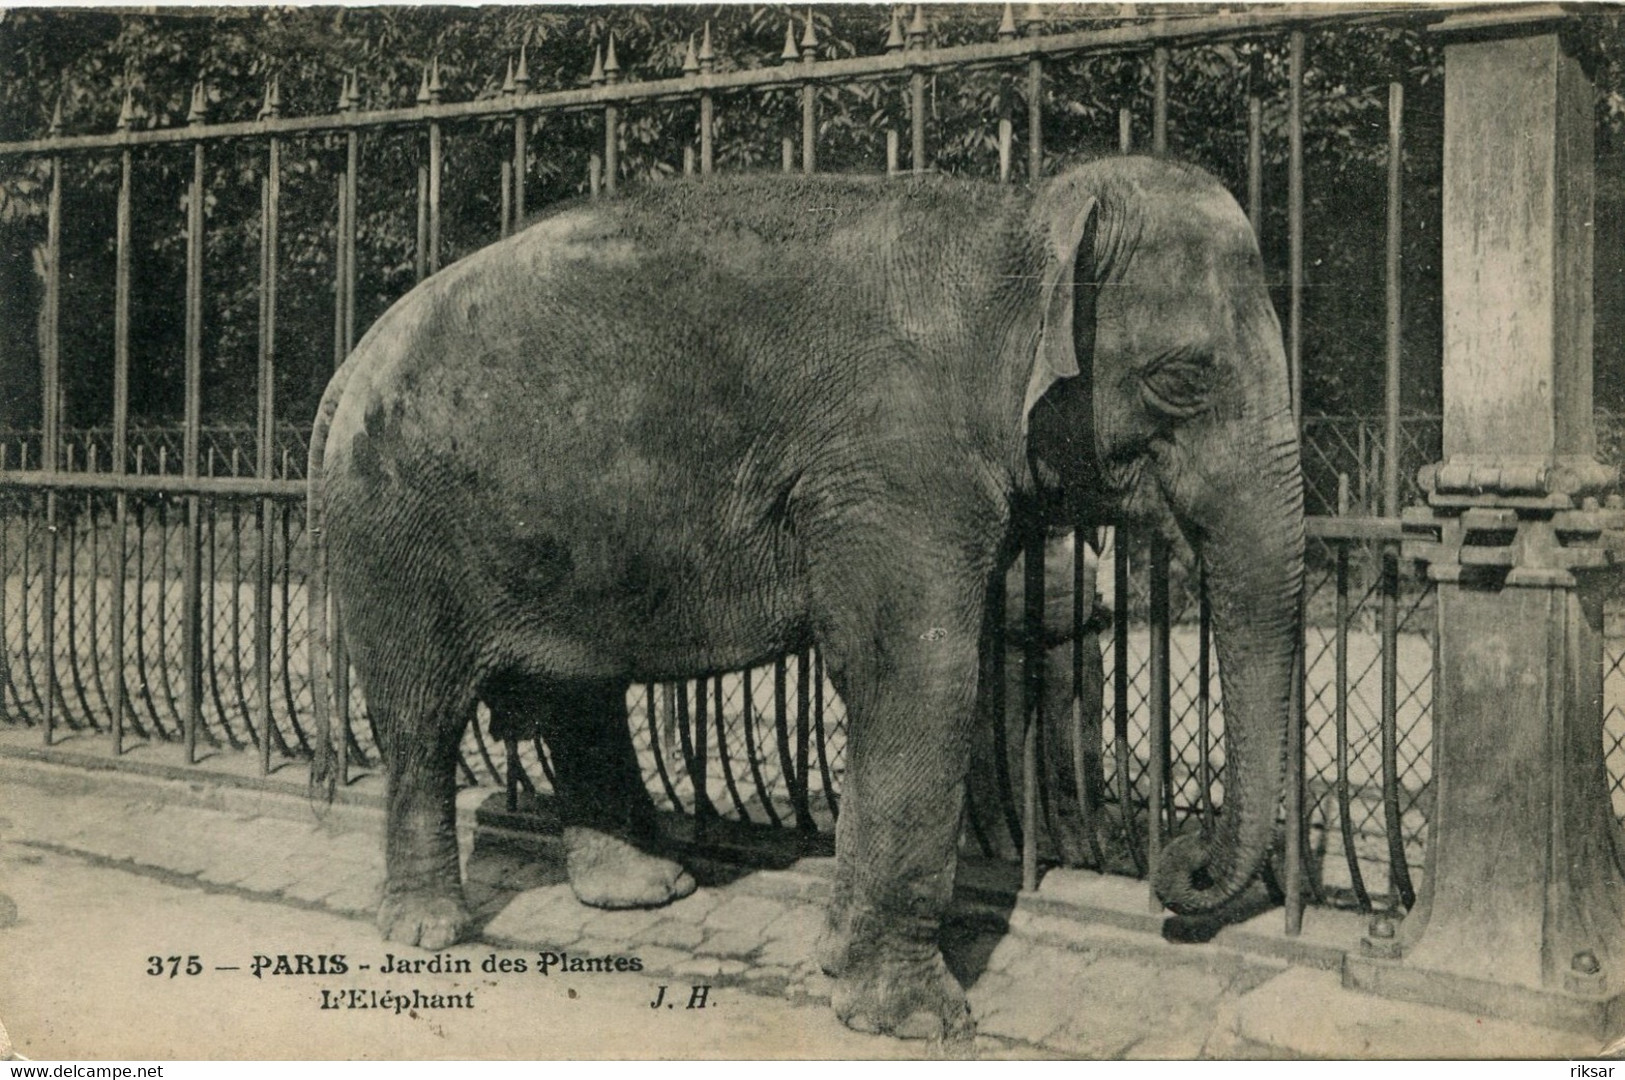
{"type": "Point", "coordinates": [83, 63]}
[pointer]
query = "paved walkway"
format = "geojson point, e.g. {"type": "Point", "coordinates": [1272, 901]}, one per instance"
{"type": "Point", "coordinates": [189, 867]}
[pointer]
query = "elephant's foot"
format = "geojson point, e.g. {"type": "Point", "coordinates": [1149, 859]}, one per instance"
{"type": "Point", "coordinates": [608, 872]}
{"type": "Point", "coordinates": [834, 948]}
{"type": "Point", "coordinates": [907, 999]}
{"type": "Point", "coordinates": [429, 920]}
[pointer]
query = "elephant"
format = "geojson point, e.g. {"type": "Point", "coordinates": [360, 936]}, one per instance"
{"type": "Point", "coordinates": [695, 426]}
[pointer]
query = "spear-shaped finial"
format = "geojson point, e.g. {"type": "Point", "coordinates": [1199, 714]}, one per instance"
{"type": "Point", "coordinates": [597, 76]}
{"type": "Point", "coordinates": [789, 53]}
{"type": "Point", "coordinates": [708, 55]}
{"type": "Point", "coordinates": [612, 67]}
{"type": "Point", "coordinates": [126, 112]}
{"type": "Point", "coordinates": [423, 87]}
{"type": "Point", "coordinates": [434, 80]}
{"type": "Point", "coordinates": [691, 60]}
{"type": "Point", "coordinates": [916, 28]}
{"type": "Point", "coordinates": [355, 90]}
{"type": "Point", "coordinates": [199, 109]}
{"type": "Point", "coordinates": [1032, 19]}
{"type": "Point", "coordinates": [809, 39]}
{"type": "Point", "coordinates": [894, 36]}
{"type": "Point", "coordinates": [521, 76]}
{"type": "Point", "coordinates": [507, 80]}
{"type": "Point", "coordinates": [1007, 24]}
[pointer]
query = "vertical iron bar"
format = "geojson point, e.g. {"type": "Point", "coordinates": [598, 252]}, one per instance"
{"type": "Point", "coordinates": [26, 649]}
{"type": "Point", "coordinates": [999, 708]}
{"type": "Point", "coordinates": [916, 93]}
{"type": "Point", "coordinates": [73, 624]}
{"type": "Point", "coordinates": [698, 767]}
{"type": "Point", "coordinates": [1398, 868]}
{"type": "Point", "coordinates": [916, 121]}
{"type": "Point", "coordinates": [1035, 118]}
{"type": "Point", "coordinates": [265, 439]}
{"type": "Point", "coordinates": [211, 601]}
{"type": "Point", "coordinates": [121, 433]}
{"type": "Point", "coordinates": [421, 249]}
{"type": "Point", "coordinates": [781, 730]}
{"type": "Point", "coordinates": [717, 707]}
{"type": "Point", "coordinates": [708, 120]}
{"type": "Point", "coordinates": [748, 719]}
{"type": "Point", "coordinates": [1158, 765]}
{"type": "Point", "coordinates": [505, 211]}
{"type": "Point", "coordinates": [1393, 299]}
{"type": "Point", "coordinates": [820, 736]}
{"type": "Point", "coordinates": [1341, 716]}
{"type": "Point", "coordinates": [708, 116]}
{"type": "Point", "coordinates": [287, 630]}
{"type": "Point", "coordinates": [521, 160]}
{"type": "Point", "coordinates": [51, 421]}
{"type": "Point", "coordinates": [1032, 706]}
{"type": "Point", "coordinates": [649, 707]}
{"type": "Point", "coordinates": [238, 682]}
{"type": "Point", "coordinates": [809, 113]}
{"type": "Point", "coordinates": [191, 587]}
{"type": "Point", "coordinates": [1159, 100]}
{"type": "Point", "coordinates": [803, 804]}
{"type": "Point", "coordinates": [1128, 80]}
{"type": "Point", "coordinates": [434, 195]}
{"type": "Point", "coordinates": [7, 681]}
{"type": "Point", "coordinates": [1086, 725]}
{"type": "Point", "coordinates": [1204, 694]}
{"type": "Point", "coordinates": [347, 289]}
{"type": "Point", "coordinates": [510, 763]}
{"type": "Point", "coordinates": [1292, 885]}
{"type": "Point", "coordinates": [1255, 142]}
{"type": "Point", "coordinates": [1399, 877]}
{"type": "Point", "coordinates": [1007, 134]}
{"type": "Point", "coordinates": [143, 682]}
{"type": "Point", "coordinates": [1295, 225]}
{"type": "Point", "coordinates": [1120, 710]}
{"type": "Point", "coordinates": [612, 147]}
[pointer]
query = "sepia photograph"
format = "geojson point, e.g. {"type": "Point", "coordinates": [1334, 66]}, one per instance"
{"type": "Point", "coordinates": [838, 532]}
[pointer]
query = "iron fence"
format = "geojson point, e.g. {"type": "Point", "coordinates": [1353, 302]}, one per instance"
{"type": "Point", "coordinates": [155, 577]}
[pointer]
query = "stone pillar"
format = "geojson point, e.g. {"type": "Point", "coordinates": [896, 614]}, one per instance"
{"type": "Point", "coordinates": [1521, 913]}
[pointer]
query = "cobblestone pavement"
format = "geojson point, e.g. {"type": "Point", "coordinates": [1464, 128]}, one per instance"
{"type": "Point", "coordinates": [1039, 985]}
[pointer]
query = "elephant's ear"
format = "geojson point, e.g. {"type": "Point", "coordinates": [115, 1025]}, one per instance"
{"type": "Point", "coordinates": [1067, 302]}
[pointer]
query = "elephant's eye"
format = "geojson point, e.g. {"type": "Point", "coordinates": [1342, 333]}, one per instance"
{"type": "Point", "coordinates": [1178, 387]}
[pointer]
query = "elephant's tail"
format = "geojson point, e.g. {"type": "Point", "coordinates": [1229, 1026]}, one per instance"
{"type": "Point", "coordinates": [324, 772]}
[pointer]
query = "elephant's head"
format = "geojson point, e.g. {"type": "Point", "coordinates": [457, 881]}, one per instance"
{"type": "Point", "coordinates": [1162, 384]}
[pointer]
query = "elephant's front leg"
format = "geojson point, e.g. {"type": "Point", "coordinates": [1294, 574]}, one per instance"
{"type": "Point", "coordinates": [909, 684]}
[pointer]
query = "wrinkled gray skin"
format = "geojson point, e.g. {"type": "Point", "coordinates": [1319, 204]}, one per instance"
{"type": "Point", "coordinates": [689, 429]}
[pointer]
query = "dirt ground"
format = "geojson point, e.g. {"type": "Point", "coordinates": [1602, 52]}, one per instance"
{"type": "Point", "coordinates": [74, 984]}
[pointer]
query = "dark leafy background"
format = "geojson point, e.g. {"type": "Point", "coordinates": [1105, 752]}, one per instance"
{"type": "Point", "coordinates": [87, 60]}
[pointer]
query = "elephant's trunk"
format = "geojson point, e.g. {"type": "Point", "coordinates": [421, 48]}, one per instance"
{"type": "Point", "coordinates": [1253, 550]}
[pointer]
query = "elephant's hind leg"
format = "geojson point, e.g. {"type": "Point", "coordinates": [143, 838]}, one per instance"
{"type": "Point", "coordinates": [612, 842]}
{"type": "Point", "coordinates": [423, 897]}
